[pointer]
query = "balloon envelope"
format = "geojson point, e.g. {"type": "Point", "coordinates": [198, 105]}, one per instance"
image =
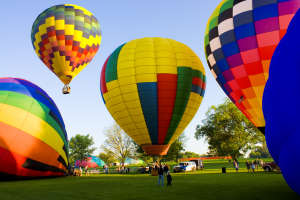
{"type": "Point", "coordinates": [90, 161]}
{"type": "Point", "coordinates": [281, 105]}
{"type": "Point", "coordinates": [33, 139]}
{"type": "Point", "coordinates": [240, 39]}
{"type": "Point", "coordinates": [66, 38]}
{"type": "Point", "coordinates": [153, 87]}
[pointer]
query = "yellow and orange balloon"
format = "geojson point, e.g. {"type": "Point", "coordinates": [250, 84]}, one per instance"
{"type": "Point", "coordinates": [66, 38]}
{"type": "Point", "coordinates": [153, 87]}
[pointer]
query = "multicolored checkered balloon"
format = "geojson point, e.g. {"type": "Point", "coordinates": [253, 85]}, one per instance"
{"type": "Point", "coordinates": [240, 39]}
{"type": "Point", "coordinates": [66, 38]}
{"type": "Point", "coordinates": [153, 87]}
{"type": "Point", "coordinates": [33, 139]}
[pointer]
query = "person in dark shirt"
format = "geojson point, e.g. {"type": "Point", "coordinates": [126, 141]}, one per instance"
{"type": "Point", "coordinates": [169, 179]}
{"type": "Point", "coordinates": [160, 175]}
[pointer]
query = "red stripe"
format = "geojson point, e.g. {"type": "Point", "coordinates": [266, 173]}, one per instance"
{"type": "Point", "coordinates": [167, 86]}
{"type": "Point", "coordinates": [197, 81]}
{"type": "Point", "coordinates": [102, 81]}
{"type": "Point", "coordinates": [11, 163]}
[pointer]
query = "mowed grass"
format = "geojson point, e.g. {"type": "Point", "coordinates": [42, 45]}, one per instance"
{"type": "Point", "coordinates": [233, 186]}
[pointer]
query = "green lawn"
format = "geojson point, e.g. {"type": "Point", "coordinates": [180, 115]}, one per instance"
{"type": "Point", "coordinates": [199, 185]}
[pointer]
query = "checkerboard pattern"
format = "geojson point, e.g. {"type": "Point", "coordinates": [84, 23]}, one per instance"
{"type": "Point", "coordinates": [153, 87]}
{"type": "Point", "coordinates": [240, 39]}
{"type": "Point", "coordinates": [66, 38]}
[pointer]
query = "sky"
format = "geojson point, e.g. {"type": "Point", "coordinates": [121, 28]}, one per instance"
{"type": "Point", "coordinates": [83, 110]}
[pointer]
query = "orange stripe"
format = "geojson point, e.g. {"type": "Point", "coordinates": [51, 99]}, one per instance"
{"type": "Point", "coordinates": [26, 145]}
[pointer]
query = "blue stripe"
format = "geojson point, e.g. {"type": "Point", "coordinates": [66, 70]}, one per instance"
{"type": "Point", "coordinates": [37, 93]}
{"type": "Point", "coordinates": [148, 99]}
{"type": "Point", "coordinates": [198, 90]}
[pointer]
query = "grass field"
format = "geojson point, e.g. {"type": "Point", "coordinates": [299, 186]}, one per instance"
{"type": "Point", "coordinates": [199, 185]}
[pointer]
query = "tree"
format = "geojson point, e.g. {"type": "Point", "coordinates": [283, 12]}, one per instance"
{"type": "Point", "coordinates": [228, 131]}
{"type": "Point", "coordinates": [107, 158]}
{"type": "Point", "coordinates": [260, 152]}
{"type": "Point", "coordinates": [189, 154]}
{"type": "Point", "coordinates": [176, 149]}
{"type": "Point", "coordinates": [118, 144]}
{"type": "Point", "coordinates": [80, 147]}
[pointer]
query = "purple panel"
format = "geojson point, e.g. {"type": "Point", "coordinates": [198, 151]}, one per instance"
{"type": "Point", "coordinates": [267, 25]}
{"type": "Point", "coordinates": [228, 75]}
{"type": "Point", "coordinates": [227, 87]}
{"type": "Point", "coordinates": [248, 43]}
{"type": "Point", "coordinates": [288, 7]}
{"type": "Point", "coordinates": [235, 60]}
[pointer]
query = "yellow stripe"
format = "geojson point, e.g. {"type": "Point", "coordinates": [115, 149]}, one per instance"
{"type": "Point", "coordinates": [190, 111]}
{"type": "Point", "coordinates": [32, 125]}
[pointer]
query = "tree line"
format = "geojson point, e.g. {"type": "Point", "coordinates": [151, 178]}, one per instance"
{"type": "Point", "coordinates": [227, 131]}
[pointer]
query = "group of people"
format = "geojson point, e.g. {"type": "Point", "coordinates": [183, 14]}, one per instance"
{"type": "Point", "coordinates": [254, 164]}
{"type": "Point", "coordinates": [162, 170]}
{"type": "Point", "coordinates": [123, 170]}
{"type": "Point", "coordinates": [78, 171]}
{"type": "Point", "coordinates": [250, 165]}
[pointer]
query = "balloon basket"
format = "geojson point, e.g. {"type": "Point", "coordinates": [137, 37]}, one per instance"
{"type": "Point", "coordinates": [66, 89]}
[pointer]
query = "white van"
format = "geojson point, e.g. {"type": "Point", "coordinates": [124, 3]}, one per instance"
{"type": "Point", "coordinates": [185, 166]}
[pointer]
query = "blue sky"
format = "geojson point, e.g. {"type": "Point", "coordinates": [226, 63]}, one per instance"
{"type": "Point", "coordinates": [121, 21]}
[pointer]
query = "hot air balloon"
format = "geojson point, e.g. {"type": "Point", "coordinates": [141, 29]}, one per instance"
{"type": "Point", "coordinates": [33, 139]}
{"type": "Point", "coordinates": [66, 38]}
{"type": "Point", "coordinates": [153, 87]}
{"type": "Point", "coordinates": [281, 105]}
{"type": "Point", "coordinates": [90, 161]}
{"type": "Point", "coordinates": [240, 39]}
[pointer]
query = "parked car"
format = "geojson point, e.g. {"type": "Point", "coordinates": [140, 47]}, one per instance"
{"type": "Point", "coordinates": [184, 167]}
{"type": "Point", "coordinates": [270, 166]}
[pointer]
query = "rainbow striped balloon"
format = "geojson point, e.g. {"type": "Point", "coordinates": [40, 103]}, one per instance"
{"type": "Point", "coordinates": [66, 38]}
{"type": "Point", "coordinates": [153, 87]}
{"type": "Point", "coordinates": [240, 39]}
{"type": "Point", "coordinates": [33, 139]}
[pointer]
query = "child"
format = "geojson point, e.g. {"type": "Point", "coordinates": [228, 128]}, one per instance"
{"type": "Point", "coordinates": [169, 179]}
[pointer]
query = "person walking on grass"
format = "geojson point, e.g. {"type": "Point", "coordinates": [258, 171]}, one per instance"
{"type": "Point", "coordinates": [169, 179]}
{"type": "Point", "coordinates": [248, 165]}
{"type": "Point", "coordinates": [160, 175]}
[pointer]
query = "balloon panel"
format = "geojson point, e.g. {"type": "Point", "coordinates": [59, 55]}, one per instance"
{"type": "Point", "coordinates": [240, 39]}
{"type": "Point", "coordinates": [153, 87]}
{"type": "Point", "coordinates": [66, 38]}
{"type": "Point", "coordinates": [33, 139]}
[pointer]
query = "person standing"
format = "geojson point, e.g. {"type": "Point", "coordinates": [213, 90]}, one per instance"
{"type": "Point", "coordinates": [236, 165]}
{"type": "Point", "coordinates": [160, 175]}
{"type": "Point", "coordinates": [169, 179]}
{"type": "Point", "coordinates": [253, 166]}
{"type": "Point", "coordinates": [248, 165]}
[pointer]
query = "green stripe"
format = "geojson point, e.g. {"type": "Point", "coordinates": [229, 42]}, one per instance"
{"type": "Point", "coordinates": [111, 73]}
{"type": "Point", "coordinates": [32, 106]}
{"type": "Point", "coordinates": [184, 86]}
{"type": "Point", "coordinates": [227, 4]}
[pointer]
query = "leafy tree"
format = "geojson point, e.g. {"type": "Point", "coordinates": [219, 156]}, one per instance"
{"type": "Point", "coordinates": [228, 131]}
{"type": "Point", "coordinates": [80, 147]}
{"type": "Point", "coordinates": [118, 144]}
{"type": "Point", "coordinates": [260, 152]}
{"type": "Point", "coordinates": [189, 154]}
{"type": "Point", "coordinates": [176, 149]}
{"type": "Point", "coordinates": [108, 158]}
